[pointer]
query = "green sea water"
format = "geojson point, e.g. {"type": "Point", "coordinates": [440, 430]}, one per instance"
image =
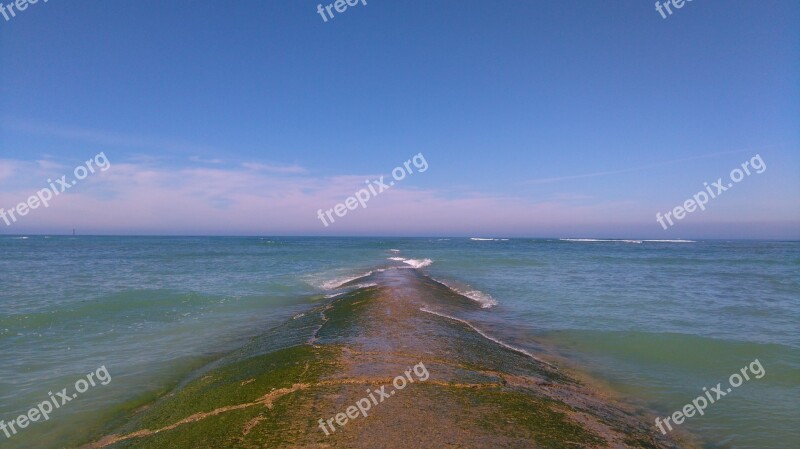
{"type": "Point", "coordinates": [655, 321]}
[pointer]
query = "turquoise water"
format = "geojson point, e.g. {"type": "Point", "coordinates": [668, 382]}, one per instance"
{"type": "Point", "coordinates": [655, 321]}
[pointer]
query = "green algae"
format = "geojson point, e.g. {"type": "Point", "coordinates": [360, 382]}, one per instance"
{"type": "Point", "coordinates": [346, 316]}
{"type": "Point", "coordinates": [244, 382]}
{"type": "Point", "coordinates": [519, 413]}
{"type": "Point", "coordinates": [480, 394]}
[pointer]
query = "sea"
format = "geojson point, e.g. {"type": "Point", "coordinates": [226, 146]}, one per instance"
{"type": "Point", "coordinates": [651, 322]}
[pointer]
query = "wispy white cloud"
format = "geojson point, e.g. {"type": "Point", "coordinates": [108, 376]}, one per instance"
{"type": "Point", "coordinates": [205, 161]}
{"type": "Point", "coordinates": [148, 198]}
{"type": "Point", "coordinates": [100, 137]}
{"type": "Point", "coordinates": [50, 165]}
{"type": "Point", "coordinates": [152, 198]}
{"type": "Point", "coordinates": [629, 170]}
{"type": "Point", "coordinates": [7, 168]}
{"type": "Point", "coordinates": [572, 196]}
{"type": "Point", "coordinates": [272, 168]}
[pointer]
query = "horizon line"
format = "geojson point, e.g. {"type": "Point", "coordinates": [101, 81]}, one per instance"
{"type": "Point", "coordinates": [397, 237]}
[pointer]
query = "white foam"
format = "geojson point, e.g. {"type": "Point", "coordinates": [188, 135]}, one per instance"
{"type": "Point", "coordinates": [501, 343]}
{"type": "Point", "coordinates": [417, 263]}
{"type": "Point", "coordinates": [335, 283]}
{"type": "Point", "coordinates": [414, 263]}
{"type": "Point", "coordinates": [394, 250]}
{"type": "Point", "coordinates": [479, 239]}
{"type": "Point", "coordinates": [601, 240]}
{"type": "Point", "coordinates": [484, 299]}
{"type": "Point", "coordinates": [628, 241]}
{"type": "Point", "coordinates": [585, 240]}
{"type": "Point", "coordinates": [350, 288]}
{"type": "Point", "coordinates": [670, 241]}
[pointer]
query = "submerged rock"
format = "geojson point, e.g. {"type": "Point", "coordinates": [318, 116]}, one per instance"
{"type": "Point", "coordinates": [383, 366]}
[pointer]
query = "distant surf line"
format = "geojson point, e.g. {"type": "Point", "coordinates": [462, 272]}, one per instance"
{"type": "Point", "coordinates": [626, 241]}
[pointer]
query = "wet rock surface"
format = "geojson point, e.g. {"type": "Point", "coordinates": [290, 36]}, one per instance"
{"type": "Point", "coordinates": [459, 388]}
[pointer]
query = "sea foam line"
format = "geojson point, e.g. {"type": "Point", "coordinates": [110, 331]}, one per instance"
{"type": "Point", "coordinates": [484, 299]}
{"type": "Point", "coordinates": [414, 263]}
{"type": "Point", "coordinates": [670, 241]}
{"type": "Point", "coordinates": [600, 240]}
{"type": "Point", "coordinates": [350, 289]}
{"type": "Point", "coordinates": [627, 241]}
{"type": "Point", "coordinates": [418, 263]}
{"type": "Point", "coordinates": [336, 283]}
{"type": "Point", "coordinates": [484, 335]}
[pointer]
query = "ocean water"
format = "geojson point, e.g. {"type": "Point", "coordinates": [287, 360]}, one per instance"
{"type": "Point", "coordinates": [653, 321]}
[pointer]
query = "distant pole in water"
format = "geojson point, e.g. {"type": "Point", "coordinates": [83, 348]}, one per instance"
{"type": "Point", "coordinates": [73, 232]}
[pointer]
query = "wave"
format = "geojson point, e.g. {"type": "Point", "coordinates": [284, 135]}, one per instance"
{"type": "Point", "coordinates": [336, 283]}
{"type": "Point", "coordinates": [629, 241]}
{"type": "Point", "coordinates": [417, 263]}
{"type": "Point", "coordinates": [342, 281]}
{"type": "Point", "coordinates": [484, 299]}
{"type": "Point", "coordinates": [484, 335]}
{"type": "Point", "coordinates": [349, 288]}
{"type": "Point", "coordinates": [479, 239]}
{"type": "Point", "coordinates": [394, 250]}
{"type": "Point", "coordinates": [670, 241]}
{"type": "Point", "coordinates": [601, 240]}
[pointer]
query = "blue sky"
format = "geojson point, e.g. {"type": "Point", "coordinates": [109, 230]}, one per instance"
{"type": "Point", "coordinates": [552, 119]}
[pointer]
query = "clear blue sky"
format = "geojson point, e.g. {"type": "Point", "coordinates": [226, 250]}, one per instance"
{"type": "Point", "coordinates": [246, 117]}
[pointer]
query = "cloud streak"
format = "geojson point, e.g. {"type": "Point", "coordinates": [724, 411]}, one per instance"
{"type": "Point", "coordinates": [147, 198]}
{"type": "Point", "coordinates": [104, 138]}
{"type": "Point", "coordinates": [271, 168]}
{"type": "Point", "coordinates": [629, 170]}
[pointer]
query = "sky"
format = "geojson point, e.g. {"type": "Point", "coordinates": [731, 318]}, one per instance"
{"type": "Point", "coordinates": [535, 119]}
